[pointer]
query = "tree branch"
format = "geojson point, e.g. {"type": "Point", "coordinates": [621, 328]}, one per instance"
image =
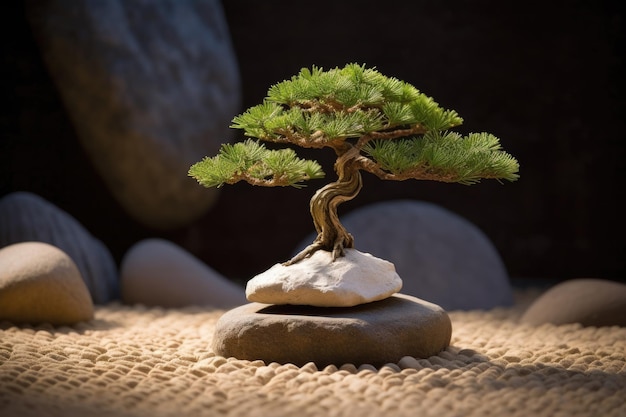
{"type": "Point", "coordinates": [391, 134]}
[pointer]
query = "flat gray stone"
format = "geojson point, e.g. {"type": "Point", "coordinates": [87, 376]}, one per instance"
{"type": "Point", "coordinates": [26, 217]}
{"type": "Point", "coordinates": [151, 88]}
{"type": "Point", "coordinates": [39, 283]}
{"type": "Point", "coordinates": [590, 302]}
{"type": "Point", "coordinates": [375, 333]}
{"type": "Point", "coordinates": [440, 256]}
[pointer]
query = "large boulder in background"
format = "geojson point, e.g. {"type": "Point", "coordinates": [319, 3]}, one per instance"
{"type": "Point", "coordinates": [440, 256]}
{"type": "Point", "coordinates": [151, 88]}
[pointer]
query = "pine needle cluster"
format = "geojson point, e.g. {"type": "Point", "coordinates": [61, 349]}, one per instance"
{"type": "Point", "coordinates": [446, 156]}
{"type": "Point", "coordinates": [252, 162]}
{"type": "Point", "coordinates": [318, 106]}
{"type": "Point", "coordinates": [399, 132]}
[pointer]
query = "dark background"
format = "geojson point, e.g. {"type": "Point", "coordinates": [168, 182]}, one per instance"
{"type": "Point", "coordinates": [546, 77]}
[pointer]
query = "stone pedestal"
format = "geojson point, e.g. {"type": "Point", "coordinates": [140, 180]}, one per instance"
{"type": "Point", "coordinates": [374, 333]}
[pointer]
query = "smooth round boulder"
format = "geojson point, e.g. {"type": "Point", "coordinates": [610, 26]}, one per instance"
{"type": "Point", "coordinates": [375, 333]}
{"type": "Point", "coordinates": [26, 217]}
{"type": "Point", "coordinates": [590, 302]}
{"type": "Point", "coordinates": [157, 272]}
{"type": "Point", "coordinates": [440, 256]}
{"type": "Point", "coordinates": [39, 283]}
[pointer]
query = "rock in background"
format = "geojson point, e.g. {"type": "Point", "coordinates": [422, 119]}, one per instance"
{"type": "Point", "coordinates": [26, 217]}
{"type": "Point", "coordinates": [150, 88]}
{"type": "Point", "coordinates": [156, 272]}
{"type": "Point", "coordinates": [39, 283]}
{"type": "Point", "coordinates": [587, 301]}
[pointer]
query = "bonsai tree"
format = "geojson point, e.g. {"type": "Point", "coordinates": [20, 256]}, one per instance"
{"type": "Point", "coordinates": [374, 123]}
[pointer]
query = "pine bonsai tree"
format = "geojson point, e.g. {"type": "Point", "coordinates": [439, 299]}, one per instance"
{"type": "Point", "coordinates": [374, 123]}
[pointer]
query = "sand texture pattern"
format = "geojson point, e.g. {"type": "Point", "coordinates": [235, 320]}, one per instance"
{"type": "Point", "coordinates": [135, 361]}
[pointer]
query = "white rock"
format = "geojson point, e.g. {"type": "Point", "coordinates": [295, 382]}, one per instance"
{"type": "Point", "coordinates": [356, 278]}
{"type": "Point", "coordinates": [39, 283]}
{"type": "Point", "coordinates": [157, 272]}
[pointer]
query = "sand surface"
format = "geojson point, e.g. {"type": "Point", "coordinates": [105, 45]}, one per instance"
{"type": "Point", "coordinates": [136, 361]}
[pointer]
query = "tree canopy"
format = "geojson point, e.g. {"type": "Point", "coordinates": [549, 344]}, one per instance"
{"type": "Point", "coordinates": [399, 133]}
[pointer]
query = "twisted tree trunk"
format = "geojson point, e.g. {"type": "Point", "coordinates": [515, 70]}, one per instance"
{"type": "Point", "coordinates": [331, 235]}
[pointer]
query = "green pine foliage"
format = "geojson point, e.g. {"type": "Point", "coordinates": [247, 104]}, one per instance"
{"type": "Point", "coordinates": [399, 131]}
{"type": "Point", "coordinates": [341, 103]}
{"type": "Point", "coordinates": [445, 157]}
{"type": "Point", "coordinates": [254, 163]}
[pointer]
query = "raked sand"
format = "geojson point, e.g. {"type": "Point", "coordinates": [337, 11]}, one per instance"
{"type": "Point", "coordinates": [135, 361]}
